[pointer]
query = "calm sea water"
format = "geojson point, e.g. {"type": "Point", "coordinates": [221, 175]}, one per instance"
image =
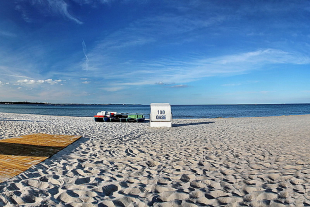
{"type": "Point", "coordinates": [178, 111]}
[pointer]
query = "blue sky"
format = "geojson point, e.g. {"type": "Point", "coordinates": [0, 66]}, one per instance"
{"type": "Point", "coordinates": [144, 51]}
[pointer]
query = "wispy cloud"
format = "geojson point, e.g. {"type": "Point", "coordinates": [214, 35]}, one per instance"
{"type": "Point", "coordinates": [46, 7]}
{"type": "Point", "coordinates": [53, 8]}
{"type": "Point", "coordinates": [85, 54]}
{"type": "Point", "coordinates": [170, 71]}
{"type": "Point", "coordinates": [7, 34]}
{"type": "Point", "coordinates": [146, 32]}
{"type": "Point", "coordinates": [171, 85]}
{"type": "Point", "coordinates": [110, 57]}
{"type": "Point", "coordinates": [163, 84]}
{"type": "Point", "coordinates": [179, 86]}
{"type": "Point", "coordinates": [240, 83]}
{"type": "Point", "coordinates": [12, 74]}
{"type": "Point", "coordinates": [235, 64]}
{"type": "Point", "coordinates": [93, 2]}
{"type": "Point", "coordinates": [264, 56]}
{"type": "Point", "coordinates": [112, 89]}
{"type": "Point", "coordinates": [231, 84]}
{"type": "Point", "coordinates": [62, 8]}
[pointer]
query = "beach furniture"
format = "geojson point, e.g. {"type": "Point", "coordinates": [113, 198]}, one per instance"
{"type": "Point", "coordinates": [105, 116]}
{"type": "Point", "coordinates": [161, 115]}
{"type": "Point", "coordinates": [135, 117]}
{"type": "Point", "coordinates": [99, 118]}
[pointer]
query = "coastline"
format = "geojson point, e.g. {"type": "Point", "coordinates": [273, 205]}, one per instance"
{"type": "Point", "coordinates": [258, 161]}
{"type": "Point", "coordinates": [178, 111]}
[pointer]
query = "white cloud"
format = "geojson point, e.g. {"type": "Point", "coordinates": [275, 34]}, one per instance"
{"type": "Point", "coordinates": [32, 82]}
{"type": "Point", "coordinates": [26, 81]}
{"type": "Point", "coordinates": [52, 82]}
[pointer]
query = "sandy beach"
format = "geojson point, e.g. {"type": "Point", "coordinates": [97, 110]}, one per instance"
{"type": "Point", "coordinates": [201, 162]}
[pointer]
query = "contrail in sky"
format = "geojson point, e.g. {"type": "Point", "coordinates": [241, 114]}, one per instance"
{"type": "Point", "coordinates": [85, 53]}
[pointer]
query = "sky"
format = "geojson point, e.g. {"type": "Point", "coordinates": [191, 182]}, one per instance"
{"type": "Point", "coordinates": [155, 51]}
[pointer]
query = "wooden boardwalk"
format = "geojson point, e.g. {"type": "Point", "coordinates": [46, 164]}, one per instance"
{"type": "Point", "coordinates": [19, 154]}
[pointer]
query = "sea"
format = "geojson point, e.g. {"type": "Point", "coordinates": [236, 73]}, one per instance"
{"type": "Point", "coordinates": [178, 111]}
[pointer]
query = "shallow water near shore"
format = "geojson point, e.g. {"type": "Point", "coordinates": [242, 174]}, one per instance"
{"type": "Point", "coordinates": [178, 111]}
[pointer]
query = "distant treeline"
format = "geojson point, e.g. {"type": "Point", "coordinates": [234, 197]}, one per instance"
{"type": "Point", "coordinates": [27, 102]}
{"type": "Point", "coordinates": [20, 102]}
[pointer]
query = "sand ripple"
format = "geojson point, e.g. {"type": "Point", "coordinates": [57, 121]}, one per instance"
{"type": "Point", "coordinates": [214, 162]}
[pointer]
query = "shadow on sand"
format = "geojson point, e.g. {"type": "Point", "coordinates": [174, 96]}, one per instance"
{"type": "Point", "coordinates": [196, 123]}
{"type": "Point", "coordinates": [19, 120]}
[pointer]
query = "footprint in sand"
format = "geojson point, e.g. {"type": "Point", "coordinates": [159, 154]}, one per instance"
{"type": "Point", "coordinates": [124, 201]}
{"type": "Point", "coordinates": [187, 177]}
{"type": "Point", "coordinates": [151, 163]}
{"type": "Point", "coordinates": [109, 189]}
{"type": "Point", "coordinates": [82, 180]}
{"type": "Point", "coordinates": [135, 191]}
{"type": "Point", "coordinates": [28, 196]}
{"type": "Point", "coordinates": [131, 152]}
{"type": "Point", "coordinates": [37, 184]}
{"type": "Point", "coordinates": [69, 197]}
{"type": "Point", "coordinates": [172, 195]}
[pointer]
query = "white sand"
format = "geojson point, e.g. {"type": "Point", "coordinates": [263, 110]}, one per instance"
{"type": "Point", "coordinates": [205, 162]}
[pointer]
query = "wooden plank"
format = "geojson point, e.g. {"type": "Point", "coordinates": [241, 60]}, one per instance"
{"type": "Point", "coordinates": [19, 154]}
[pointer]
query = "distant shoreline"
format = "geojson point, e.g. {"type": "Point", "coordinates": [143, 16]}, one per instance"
{"type": "Point", "coordinates": [56, 104]}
